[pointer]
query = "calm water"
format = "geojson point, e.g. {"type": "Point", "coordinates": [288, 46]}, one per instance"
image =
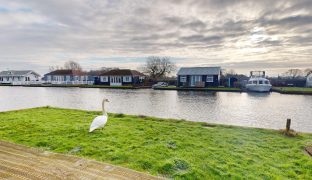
{"type": "Point", "coordinates": [244, 109]}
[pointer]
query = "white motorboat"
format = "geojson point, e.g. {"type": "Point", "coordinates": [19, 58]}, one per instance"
{"type": "Point", "coordinates": [258, 82]}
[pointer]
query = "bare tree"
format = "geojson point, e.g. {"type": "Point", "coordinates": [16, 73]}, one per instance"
{"type": "Point", "coordinates": [308, 71]}
{"type": "Point", "coordinates": [158, 67]}
{"type": "Point", "coordinates": [54, 68]}
{"type": "Point", "coordinates": [293, 73]}
{"type": "Point", "coordinates": [72, 65]}
{"type": "Point", "coordinates": [228, 72]}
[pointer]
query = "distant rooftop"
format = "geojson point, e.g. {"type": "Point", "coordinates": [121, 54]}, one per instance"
{"type": "Point", "coordinates": [122, 72]}
{"type": "Point", "coordinates": [17, 73]}
{"type": "Point", "coordinates": [199, 71]}
{"type": "Point", "coordinates": [63, 72]}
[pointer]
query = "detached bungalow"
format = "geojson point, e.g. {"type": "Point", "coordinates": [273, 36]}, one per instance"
{"type": "Point", "coordinates": [121, 77]}
{"type": "Point", "coordinates": [309, 80]}
{"type": "Point", "coordinates": [199, 77]}
{"type": "Point", "coordinates": [19, 77]}
{"type": "Point", "coordinates": [67, 77]}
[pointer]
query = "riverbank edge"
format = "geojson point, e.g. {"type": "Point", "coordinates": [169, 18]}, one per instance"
{"type": "Point", "coordinates": [204, 124]}
{"type": "Point", "coordinates": [79, 86]}
{"type": "Point", "coordinates": [289, 91]}
{"type": "Point", "coordinates": [212, 89]}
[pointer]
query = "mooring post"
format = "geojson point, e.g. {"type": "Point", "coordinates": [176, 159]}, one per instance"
{"type": "Point", "coordinates": [288, 125]}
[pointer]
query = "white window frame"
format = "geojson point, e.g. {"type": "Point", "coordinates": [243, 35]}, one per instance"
{"type": "Point", "coordinates": [104, 78]}
{"type": "Point", "coordinates": [183, 79]}
{"type": "Point", "coordinates": [209, 78]}
{"type": "Point", "coordinates": [127, 79]}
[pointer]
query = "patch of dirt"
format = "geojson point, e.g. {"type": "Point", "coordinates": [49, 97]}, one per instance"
{"type": "Point", "coordinates": [309, 150]}
{"type": "Point", "coordinates": [20, 162]}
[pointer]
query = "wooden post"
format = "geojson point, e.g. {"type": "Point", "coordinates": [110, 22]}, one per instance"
{"type": "Point", "coordinates": [288, 125]}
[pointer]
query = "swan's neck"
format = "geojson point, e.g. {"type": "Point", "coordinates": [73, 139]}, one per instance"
{"type": "Point", "coordinates": [103, 108]}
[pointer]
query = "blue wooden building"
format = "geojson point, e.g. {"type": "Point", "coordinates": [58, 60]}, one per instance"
{"type": "Point", "coordinates": [66, 76]}
{"type": "Point", "coordinates": [199, 77]}
{"type": "Point", "coordinates": [121, 77]}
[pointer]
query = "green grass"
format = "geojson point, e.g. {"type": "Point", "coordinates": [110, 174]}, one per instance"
{"type": "Point", "coordinates": [295, 90]}
{"type": "Point", "coordinates": [106, 86]}
{"type": "Point", "coordinates": [77, 85]}
{"type": "Point", "coordinates": [164, 147]}
{"type": "Point", "coordinates": [200, 89]}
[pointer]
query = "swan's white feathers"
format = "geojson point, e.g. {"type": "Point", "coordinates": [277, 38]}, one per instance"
{"type": "Point", "coordinates": [98, 122]}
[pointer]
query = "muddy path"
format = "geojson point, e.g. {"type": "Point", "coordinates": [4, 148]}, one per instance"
{"type": "Point", "coordinates": [20, 162]}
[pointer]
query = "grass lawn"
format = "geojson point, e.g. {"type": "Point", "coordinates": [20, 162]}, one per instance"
{"type": "Point", "coordinates": [163, 147]}
{"type": "Point", "coordinates": [200, 89]}
{"type": "Point", "coordinates": [302, 90]}
{"type": "Point", "coordinates": [85, 86]}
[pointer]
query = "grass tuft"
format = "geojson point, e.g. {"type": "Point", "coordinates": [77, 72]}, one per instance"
{"type": "Point", "coordinates": [290, 133]}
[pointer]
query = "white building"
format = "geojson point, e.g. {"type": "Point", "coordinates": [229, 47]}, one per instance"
{"type": "Point", "coordinates": [309, 80]}
{"type": "Point", "coordinates": [19, 77]}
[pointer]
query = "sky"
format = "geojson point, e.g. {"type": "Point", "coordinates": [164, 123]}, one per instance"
{"type": "Point", "coordinates": [270, 35]}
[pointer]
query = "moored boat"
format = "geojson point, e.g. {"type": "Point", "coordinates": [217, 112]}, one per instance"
{"type": "Point", "coordinates": [258, 82]}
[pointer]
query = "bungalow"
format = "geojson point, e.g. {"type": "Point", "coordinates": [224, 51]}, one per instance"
{"type": "Point", "coordinates": [19, 77]}
{"type": "Point", "coordinates": [309, 80]}
{"type": "Point", "coordinates": [199, 77]}
{"type": "Point", "coordinates": [67, 76]}
{"type": "Point", "coordinates": [121, 77]}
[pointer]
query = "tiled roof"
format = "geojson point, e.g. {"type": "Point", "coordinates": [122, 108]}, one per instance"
{"type": "Point", "coordinates": [63, 72]}
{"type": "Point", "coordinates": [199, 71]}
{"type": "Point", "coordinates": [122, 72]}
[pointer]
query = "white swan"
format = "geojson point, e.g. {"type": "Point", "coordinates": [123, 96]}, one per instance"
{"type": "Point", "coordinates": [99, 121]}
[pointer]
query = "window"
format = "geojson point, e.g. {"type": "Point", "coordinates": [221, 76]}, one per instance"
{"type": "Point", "coordinates": [209, 79]}
{"type": "Point", "coordinates": [104, 79]}
{"type": "Point", "coordinates": [266, 82]}
{"type": "Point", "coordinates": [127, 79]}
{"type": "Point", "coordinates": [67, 78]}
{"type": "Point", "coordinates": [254, 82]}
{"type": "Point", "coordinates": [1, 79]}
{"type": "Point", "coordinates": [183, 79]}
{"type": "Point", "coordinates": [260, 82]}
{"type": "Point", "coordinates": [249, 82]}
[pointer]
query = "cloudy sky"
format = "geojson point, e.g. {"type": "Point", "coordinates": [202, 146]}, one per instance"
{"type": "Point", "coordinates": [269, 35]}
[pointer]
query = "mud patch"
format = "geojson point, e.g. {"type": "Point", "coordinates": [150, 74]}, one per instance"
{"type": "Point", "coordinates": [309, 150]}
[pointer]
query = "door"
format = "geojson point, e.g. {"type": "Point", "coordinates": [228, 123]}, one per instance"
{"type": "Point", "coordinates": [116, 81]}
{"type": "Point", "coordinates": [195, 80]}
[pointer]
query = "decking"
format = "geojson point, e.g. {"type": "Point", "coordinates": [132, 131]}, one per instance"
{"type": "Point", "coordinates": [20, 162]}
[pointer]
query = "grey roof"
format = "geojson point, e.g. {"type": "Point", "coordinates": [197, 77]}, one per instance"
{"type": "Point", "coordinates": [199, 71]}
{"type": "Point", "coordinates": [16, 73]}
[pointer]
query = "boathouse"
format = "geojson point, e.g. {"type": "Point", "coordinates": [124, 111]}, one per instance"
{"type": "Point", "coordinates": [199, 77]}
{"type": "Point", "coordinates": [122, 77]}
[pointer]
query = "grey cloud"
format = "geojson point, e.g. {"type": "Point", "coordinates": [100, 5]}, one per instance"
{"type": "Point", "coordinates": [179, 28]}
{"type": "Point", "coordinates": [201, 39]}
